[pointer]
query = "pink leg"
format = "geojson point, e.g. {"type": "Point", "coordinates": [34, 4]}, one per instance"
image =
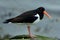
{"type": "Point", "coordinates": [29, 31]}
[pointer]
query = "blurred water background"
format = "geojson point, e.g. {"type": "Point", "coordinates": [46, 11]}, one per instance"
{"type": "Point", "coordinates": [46, 27]}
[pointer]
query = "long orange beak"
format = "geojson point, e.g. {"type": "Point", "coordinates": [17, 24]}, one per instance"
{"type": "Point", "coordinates": [47, 14]}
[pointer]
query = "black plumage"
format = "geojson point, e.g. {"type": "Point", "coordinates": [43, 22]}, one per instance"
{"type": "Point", "coordinates": [28, 16]}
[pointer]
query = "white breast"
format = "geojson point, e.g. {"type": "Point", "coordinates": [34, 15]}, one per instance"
{"type": "Point", "coordinates": [36, 21]}
{"type": "Point", "coordinates": [9, 23]}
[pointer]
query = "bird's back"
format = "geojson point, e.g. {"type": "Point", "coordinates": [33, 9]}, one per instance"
{"type": "Point", "coordinates": [26, 17]}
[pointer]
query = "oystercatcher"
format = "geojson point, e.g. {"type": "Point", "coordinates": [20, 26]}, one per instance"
{"type": "Point", "coordinates": [31, 16]}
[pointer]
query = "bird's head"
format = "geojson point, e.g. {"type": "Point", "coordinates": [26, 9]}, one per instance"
{"type": "Point", "coordinates": [41, 11]}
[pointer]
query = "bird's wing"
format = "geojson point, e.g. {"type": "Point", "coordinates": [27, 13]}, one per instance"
{"type": "Point", "coordinates": [24, 15]}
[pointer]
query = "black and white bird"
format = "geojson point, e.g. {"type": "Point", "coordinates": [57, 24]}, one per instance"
{"type": "Point", "coordinates": [31, 16]}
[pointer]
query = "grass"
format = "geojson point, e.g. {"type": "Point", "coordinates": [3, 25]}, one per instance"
{"type": "Point", "coordinates": [35, 38]}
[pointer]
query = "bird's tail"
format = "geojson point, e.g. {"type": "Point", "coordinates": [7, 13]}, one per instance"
{"type": "Point", "coordinates": [7, 21]}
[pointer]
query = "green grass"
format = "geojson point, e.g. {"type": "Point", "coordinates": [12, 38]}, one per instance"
{"type": "Point", "coordinates": [35, 38]}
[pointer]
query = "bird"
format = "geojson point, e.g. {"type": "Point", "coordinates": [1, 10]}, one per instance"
{"type": "Point", "coordinates": [29, 17]}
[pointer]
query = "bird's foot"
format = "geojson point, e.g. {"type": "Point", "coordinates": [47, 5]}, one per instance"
{"type": "Point", "coordinates": [32, 36]}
